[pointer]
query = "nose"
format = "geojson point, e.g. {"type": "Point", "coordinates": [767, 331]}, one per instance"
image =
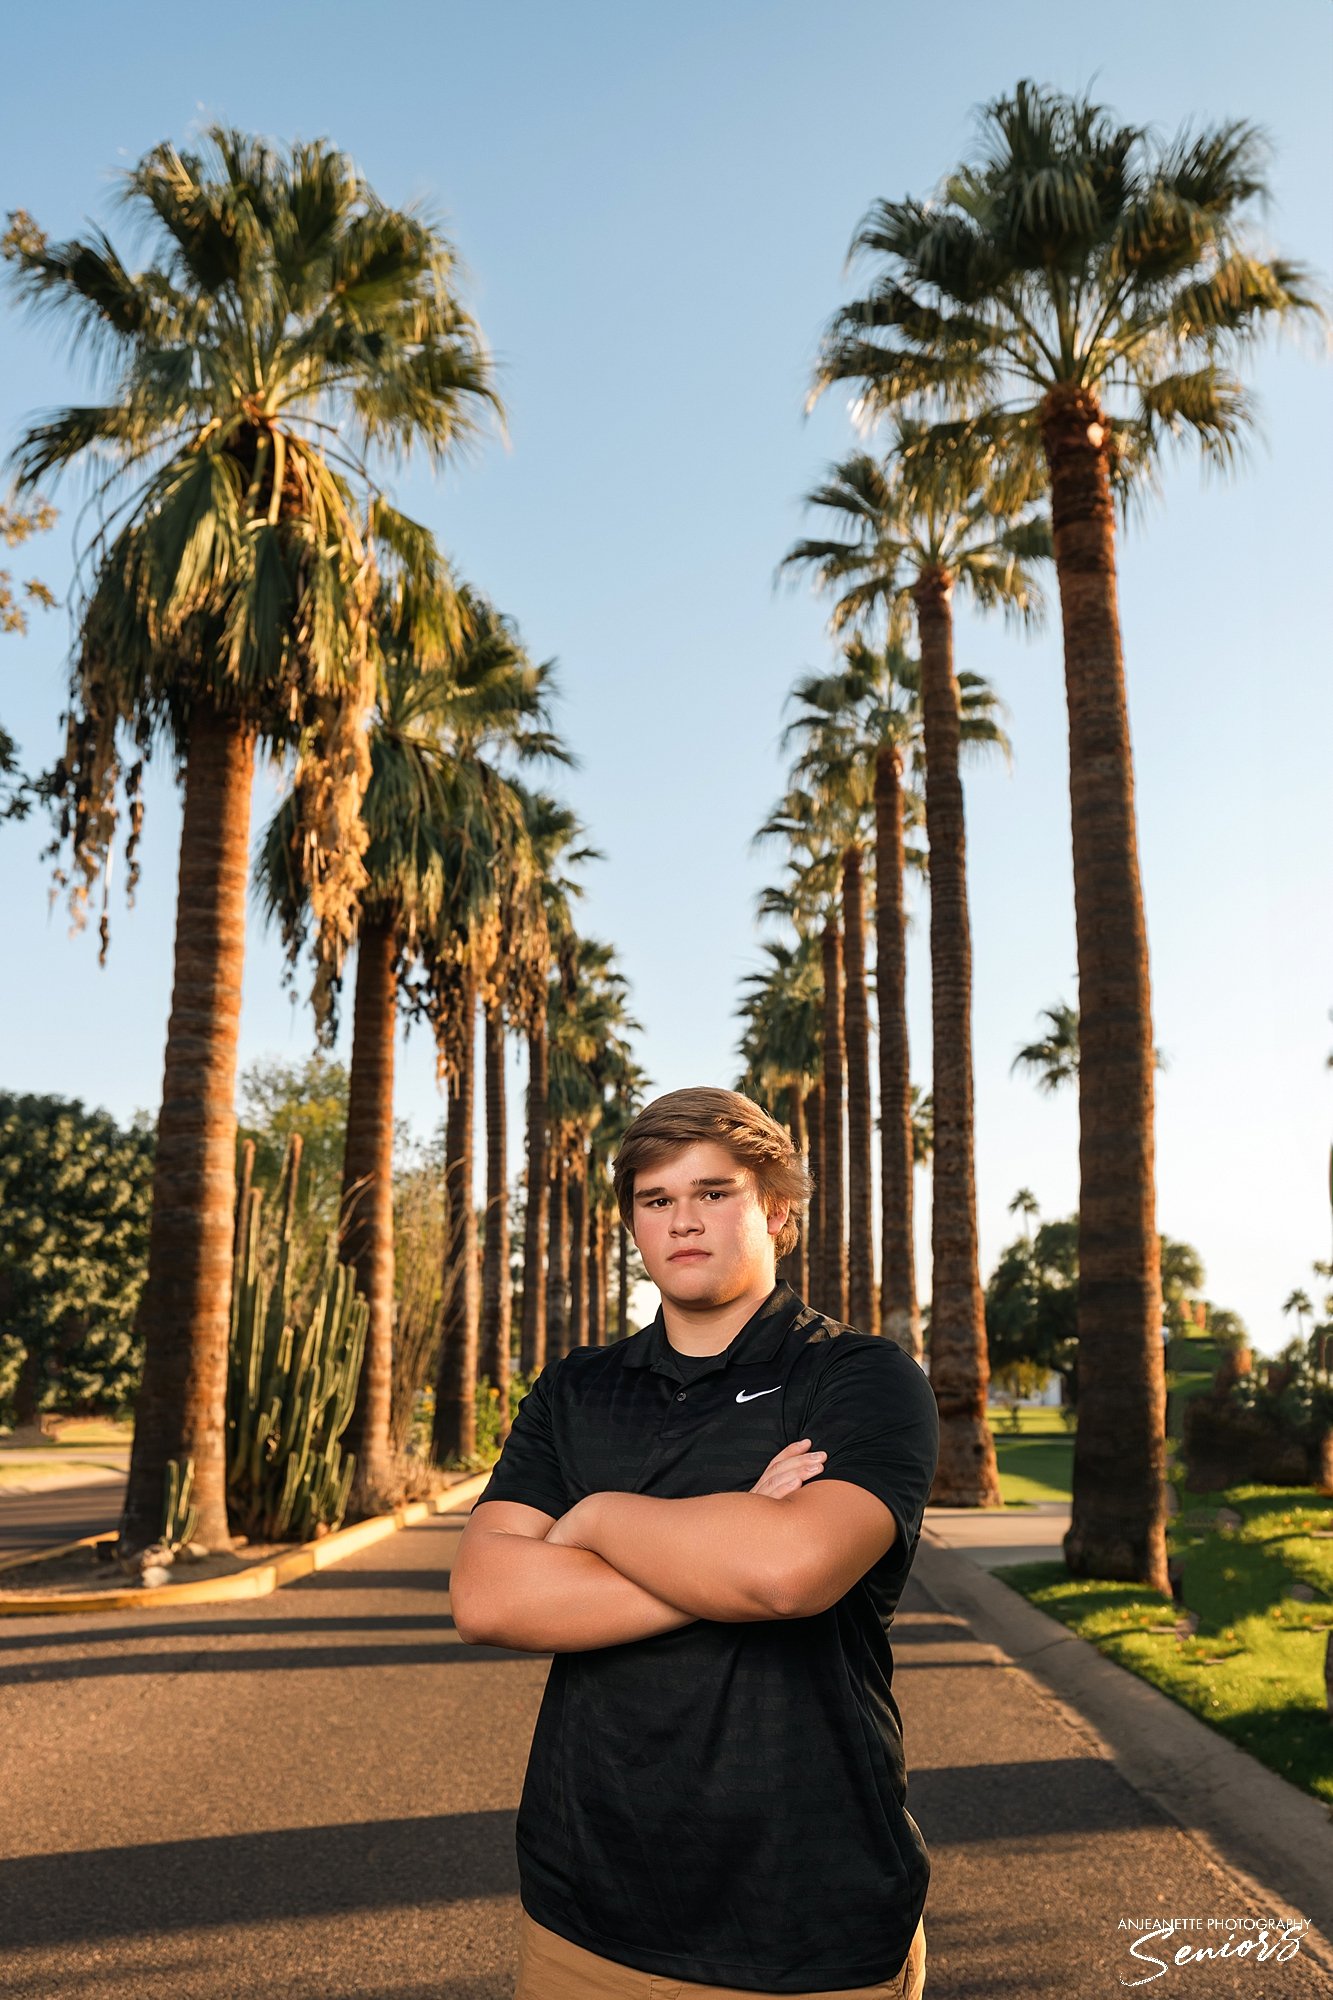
{"type": "Point", "coordinates": [685, 1225]}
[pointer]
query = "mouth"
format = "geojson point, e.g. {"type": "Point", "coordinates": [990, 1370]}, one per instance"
{"type": "Point", "coordinates": [686, 1256]}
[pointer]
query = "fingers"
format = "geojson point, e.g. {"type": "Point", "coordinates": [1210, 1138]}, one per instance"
{"type": "Point", "coordinates": [786, 1478]}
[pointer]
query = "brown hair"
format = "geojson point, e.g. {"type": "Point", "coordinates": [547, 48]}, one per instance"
{"type": "Point", "coordinates": [701, 1114]}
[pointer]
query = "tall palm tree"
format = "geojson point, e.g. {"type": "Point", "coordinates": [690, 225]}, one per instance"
{"type": "Point", "coordinates": [1025, 1204]}
{"type": "Point", "coordinates": [289, 323]}
{"type": "Point", "coordinates": [622, 1084]}
{"type": "Point", "coordinates": [586, 1011]}
{"type": "Point", "coordinates": [475, 950]}
{"type": "Point", "coordinates": [1083, 293]}
{"type": "Point", "coordinates": [432, 854]}
{"type": "Point", "coordinates": [515, 995]}
{"type": "Point", "coordinates": [845, 783]}
{"type": "Point", "coordinates": [556, 838]}
{"type": "Point", "coordinates": [920, 525]}
{"type": "Point", "coordinates": [815, 829]}
{"type": "Point", "coordinates": [866, 719]}
{"type": "Point", "coordinates": [783, 1012]}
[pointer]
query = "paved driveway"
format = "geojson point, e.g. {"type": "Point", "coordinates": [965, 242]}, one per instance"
{"type": "Point", "coordinates": [49, 1516]}
{"type": "Point", "coordinates": [313, 1797]}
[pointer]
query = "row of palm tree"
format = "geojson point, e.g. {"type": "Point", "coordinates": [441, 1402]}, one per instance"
{"type": "Point", "coordinates": [1035, 334]}
{"type": "Point", "coordinates": [249, 585]}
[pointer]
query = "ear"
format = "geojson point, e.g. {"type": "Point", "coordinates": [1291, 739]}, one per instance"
{"type": "Point", "coordinates": [777, 1217]}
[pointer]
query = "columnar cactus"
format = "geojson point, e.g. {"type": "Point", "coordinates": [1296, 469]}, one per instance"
{"type": "Point", "coordinates": [290, 1389]}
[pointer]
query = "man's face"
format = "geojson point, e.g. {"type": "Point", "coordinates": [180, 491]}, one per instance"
{"type": "Point", "coordinates": [701, 1228]}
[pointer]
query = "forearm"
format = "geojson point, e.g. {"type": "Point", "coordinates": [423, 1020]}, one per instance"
{"type": "Point", "coordinates": [719, 1555]}
{"type": "Point", "coordinates": [543, 1597]}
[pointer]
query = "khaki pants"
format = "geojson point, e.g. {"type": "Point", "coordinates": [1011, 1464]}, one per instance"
{"type": "Point", "coordinates": [551, 1968]}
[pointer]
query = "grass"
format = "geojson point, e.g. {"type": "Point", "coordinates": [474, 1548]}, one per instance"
{"type": "Point", "coordinates": [76, 1431]}
{"type": "Point", "coordinates": [1034, 1448]}
{"type": "Point", "coordinates": [1254, 1668]}
{"type": "Point", "coordinates": [1036, 1458]}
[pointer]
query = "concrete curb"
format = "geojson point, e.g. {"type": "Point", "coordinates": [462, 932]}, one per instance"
{"type": "Point", "coordinates": [1253, 1825]}
{"type": "Point", "coordinates": [260, 1581]}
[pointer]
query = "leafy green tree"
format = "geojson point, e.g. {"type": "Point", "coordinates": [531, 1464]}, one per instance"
{"type": "Point", "coordinates": [288, 324]}
{"type": "Point", "coordinates": [1078, 296]}
{"type": "Point", "coordinates": [279, 1098]}
{"type": "Point", "coordinates": [1032, 1304]}
{"type": "Point", "coordinates": [75, 1201]}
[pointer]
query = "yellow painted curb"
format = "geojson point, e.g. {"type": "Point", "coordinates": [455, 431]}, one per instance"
{"type": "Point", "coordinates": [264, 1578]}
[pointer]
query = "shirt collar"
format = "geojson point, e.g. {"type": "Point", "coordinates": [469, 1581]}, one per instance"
{"type": "Point", "coordinates": [760, 1339]}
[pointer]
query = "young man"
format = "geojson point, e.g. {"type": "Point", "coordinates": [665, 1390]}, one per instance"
{"type": "Point", "coordinates": [709, 1525]}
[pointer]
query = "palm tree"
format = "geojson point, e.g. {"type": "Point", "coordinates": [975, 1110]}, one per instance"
{"type": "Point", "coordinates": [622, 1084]}
{"type": "Point", "coordinates": [555, 835]}
{"type": "Point", "coordinates": [1080, 294]}
{"type": "Point", "coordinates": [436, 852]}
{"type": "Point", "coordinates": [832, 768]}
{"type": "Point", "coordinates": [921, 525]}
{"type": "Point", "coordinates": [290, 323]}
{"type": "Point", "coordinates": [782, 1053]}
{"type": "Point", "coordinates": [815, 829]}
{"type": "Point", "coordinates": [515, 995]}
{"type": "Point", "coordinates": [586, 1015]}
{"type": "Point", "coordinates": [863, 723]}
{"type": "Point", "coordinates": [479, 946]}
{"type": "Point", "coordinates": [1053, 1059]}
{"type": "Point", "coordinates": [1025, 1204]}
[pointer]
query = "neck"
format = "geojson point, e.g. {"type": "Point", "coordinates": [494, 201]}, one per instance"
{"type": "Point", "coordinates": [706, 1328]}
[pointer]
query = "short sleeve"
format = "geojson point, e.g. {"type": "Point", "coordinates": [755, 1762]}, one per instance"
{"type": "Point", "coordinates": [874, 1412]}
{"type": "Point", "coordinates": [528, 1468]}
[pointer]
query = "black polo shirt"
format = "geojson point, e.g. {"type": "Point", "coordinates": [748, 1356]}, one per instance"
{"type": "Point", "coordinates": [726, 1803]}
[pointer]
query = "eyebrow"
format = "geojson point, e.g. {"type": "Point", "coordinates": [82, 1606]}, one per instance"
{"type": "Point", "coordinates": [730, 1180]}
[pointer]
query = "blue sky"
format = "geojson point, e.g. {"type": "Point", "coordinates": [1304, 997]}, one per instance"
{"type": "Point", "coordinates": [653, 206]}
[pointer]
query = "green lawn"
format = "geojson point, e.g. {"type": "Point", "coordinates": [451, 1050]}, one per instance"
{"type": "Point", "coordinates": [1254, 1668]}
{"type": "Point", "coordinates": [1035, 1459]}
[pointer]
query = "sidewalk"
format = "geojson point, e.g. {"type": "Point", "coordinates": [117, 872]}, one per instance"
{"type": "Point", "coordinates": [1273, 1841]}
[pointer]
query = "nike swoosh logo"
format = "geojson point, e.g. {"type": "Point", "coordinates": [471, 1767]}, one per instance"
{"type": "Point", "coordinates": [748, 1395]}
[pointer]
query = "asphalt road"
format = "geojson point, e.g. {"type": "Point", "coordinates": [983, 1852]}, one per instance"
{"type": "Point", "coordinates": [312, 1796]}
{"type": "Point", "coordinates": [43, 1520]}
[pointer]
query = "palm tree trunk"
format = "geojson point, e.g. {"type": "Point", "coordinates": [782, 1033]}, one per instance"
{"type": "Point", "coordinates": [900, 1313]}
{"type": "Point", "coordinates": [532, 1335]}
{"type": "Point", "coordinates": [578, 1249]}
{"type": "Point", "coordinates": [1118, 1523]}
{"type": "Point", "coordinates": [622, 1279]}
{"type": "Point", "coordinates": [833, 1234]}
{"type": "Point", "coordinates": [814, 1115]}
{"type": "Point", "coordinates": [596, 1270]}
{"type": "Point", "coordinates": [862, 1303]}
{"type": "Point", "coordinates": [366, 1223]}
{"type": "Point", "coordinates": [793, 1266]}
{"type": "Point", "coordinates": [967, 1475]}
{"type": "Point", "coordinates": [186, 1310]}
{"type": "Point", "coordinates": [455, 1428]}
{"type": "Point", "coordinates": [493, 1360]}
{"type": "Point", "coordinates": [557, 1273]}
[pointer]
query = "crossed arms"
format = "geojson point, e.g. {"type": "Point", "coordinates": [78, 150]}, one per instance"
{"type": "Point", "coordinates": [623, 1566]}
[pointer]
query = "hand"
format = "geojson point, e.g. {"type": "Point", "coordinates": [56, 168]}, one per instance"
{"type": "Point", "coordinates": [789, 1470]}
{"type": "Point", "coordinates": [566, 1532]}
